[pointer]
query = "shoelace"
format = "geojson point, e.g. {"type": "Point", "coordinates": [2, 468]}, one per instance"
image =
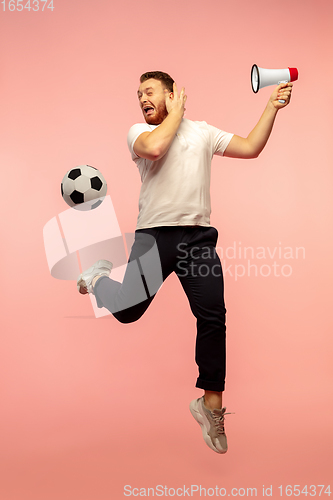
{"type": "Point", "coordinates": [219, 421]}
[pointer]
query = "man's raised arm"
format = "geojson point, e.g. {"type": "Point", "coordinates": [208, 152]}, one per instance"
{"type": "Point", "coordinates": [251, 147]}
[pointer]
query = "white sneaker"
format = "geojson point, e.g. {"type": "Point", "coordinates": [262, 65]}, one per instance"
{"type": "Point", "coordinates": [212, 425]}
{"type": "Point", "coordinates": [100, 268]}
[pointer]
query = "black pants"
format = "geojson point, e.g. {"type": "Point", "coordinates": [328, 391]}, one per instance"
{"type": "Point", "coordinates": [190, 252]}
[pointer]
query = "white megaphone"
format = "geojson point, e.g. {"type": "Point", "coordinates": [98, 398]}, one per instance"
{"type": "Point", "coordinates": [261, 77]}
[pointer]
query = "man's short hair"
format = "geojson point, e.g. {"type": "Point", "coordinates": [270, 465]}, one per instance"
{"type": "Point", "coordinates": [166, 79]}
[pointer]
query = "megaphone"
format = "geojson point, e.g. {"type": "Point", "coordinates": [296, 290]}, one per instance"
{"type": "Point", "coordinates": [261, 77]}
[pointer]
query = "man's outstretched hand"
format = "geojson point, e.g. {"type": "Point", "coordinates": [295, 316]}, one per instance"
{"type": "Point", "coordinates": [281, 92]}
{"type": "Point", "coordinates": [175, 102]}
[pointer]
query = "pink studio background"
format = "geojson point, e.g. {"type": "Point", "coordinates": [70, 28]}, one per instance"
{"type": "Point", "coordinates": [91, 405]}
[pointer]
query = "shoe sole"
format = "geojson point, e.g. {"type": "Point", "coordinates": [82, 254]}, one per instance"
{"type": "Point", "coordinates": [204, 424]}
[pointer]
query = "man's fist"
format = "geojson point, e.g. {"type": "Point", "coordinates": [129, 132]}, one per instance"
{"type": "Point", "coordinates": [282, 92]}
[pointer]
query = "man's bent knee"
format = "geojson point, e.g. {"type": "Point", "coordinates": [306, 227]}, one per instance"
{"type": "Point", "coordinates": [130, 315]}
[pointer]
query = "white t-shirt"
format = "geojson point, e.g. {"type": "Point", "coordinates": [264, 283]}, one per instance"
{"type": "Point", "coordinates": [175, 190]}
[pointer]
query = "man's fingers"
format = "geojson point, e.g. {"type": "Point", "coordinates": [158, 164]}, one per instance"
{"type": "Point", "coordinates": [285, 93]}
{"type": "Point", "coordinates": [175, 91]}
{"type": "Point", "coordinates": [285, 86]}
{"type": "Point", "coordinates": [177, 99]}
{"type": "Point", "coordinates": [182, 95]}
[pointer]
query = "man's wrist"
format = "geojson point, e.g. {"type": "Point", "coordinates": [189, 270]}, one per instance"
{"type": "Point", "coordinates": [176, 112]}
{"type": "Point", "coordinates": [271, 108]}
{"type": "Point", "coordinates": [174, 118]}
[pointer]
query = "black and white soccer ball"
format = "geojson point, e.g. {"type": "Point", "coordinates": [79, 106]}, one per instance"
{"type": "Point", "coordinates": [83, 186]}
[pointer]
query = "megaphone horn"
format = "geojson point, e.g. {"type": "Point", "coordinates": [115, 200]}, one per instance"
{"type": "Point", "coordinates": [261, 77]}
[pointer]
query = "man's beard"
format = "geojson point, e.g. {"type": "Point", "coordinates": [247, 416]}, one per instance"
{"type": "Point", "coordinates": [159, 115]}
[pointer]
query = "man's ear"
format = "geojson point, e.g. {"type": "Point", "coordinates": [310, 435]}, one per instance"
{"type": "Point", "coordinates": [166, 91]}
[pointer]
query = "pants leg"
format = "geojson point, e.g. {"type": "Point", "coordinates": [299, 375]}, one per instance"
{"type": "Point", "coordinates": [144, 275]}
{"type": "Point", "coordinates": [200, 273]}
{"type": "Point", "coordinates": [191, 253]}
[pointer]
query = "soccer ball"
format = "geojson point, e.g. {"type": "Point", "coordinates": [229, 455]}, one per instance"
{"type": "Point", "coordinates": [83, 186]}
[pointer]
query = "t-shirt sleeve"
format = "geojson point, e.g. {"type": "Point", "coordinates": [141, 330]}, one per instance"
{"type": "Point", "coordinates": [220, 140]}
{"type": "Point", "coordinates": [133, 134]}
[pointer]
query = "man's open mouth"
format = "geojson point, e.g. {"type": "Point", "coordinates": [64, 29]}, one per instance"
{"type": "Point", "coordinates": [148, 110]}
